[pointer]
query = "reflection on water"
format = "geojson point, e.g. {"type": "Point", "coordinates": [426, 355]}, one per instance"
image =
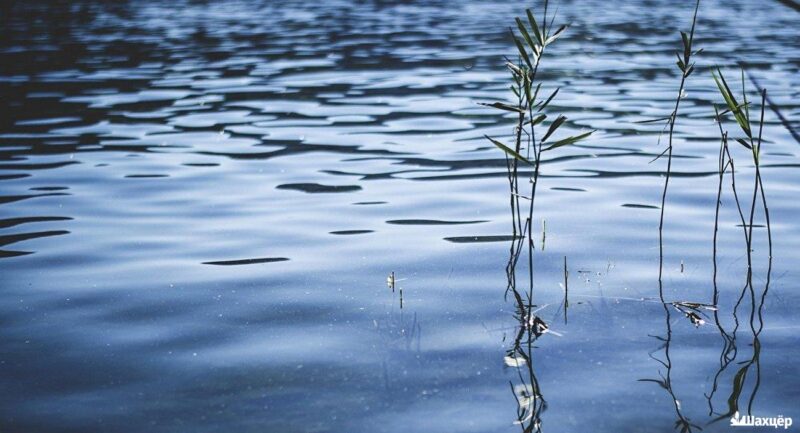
{"type": "Point", "coordinates": [730, 352]}
{"type": "Point", "coordinates": [520, 356]}
{"type": "Point", "coordinates": [197, 200]}
{"type": "Point", "coordinates": [742, 393]}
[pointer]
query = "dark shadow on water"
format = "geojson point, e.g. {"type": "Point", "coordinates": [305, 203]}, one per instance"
{"type": "Point", "coordinates": [247, 261]}
{"type": "Point", "coordinates": [19, 237]}
{"type": "Point", "coordinates": [49, 188]}
{"type": "Point", "coordinates": [145, 176]}
{"type": "Point", "coordinates": [730, 352]}
{"type": "Point", "coordinates": [11, 222]}
{"type": "Point", "coordinates": [530, 402]}
{"type": "Point", "coordinates": [561, 188]}
{"type": "Point", "coordinates": [351, 232]}
{"type": "Point", "coordinates": [425, 222]}
{"type": "Point", "coordinates": [480, 239]}
{"type": "Point", "coordinates": [314, 188]}
{"type": "Point", "coordinates": [8, 254]}
{"type": "Point", "coordinates": [639, 206]}
{"type": "Point", "coordinates": [13, 198]}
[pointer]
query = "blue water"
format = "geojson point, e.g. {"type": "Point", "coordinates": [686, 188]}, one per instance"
{"type": "Point", "coordinates": [200, 203]}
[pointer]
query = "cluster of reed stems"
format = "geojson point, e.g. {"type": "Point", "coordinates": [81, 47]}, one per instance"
{"type": "Point", "coordinates": [752, 140]}
{"type": "Point", "coordinates": [686, 67]}
{"type": "Point", "coordinates": [533, 136]}
{"type": "Point", "coordinates": [528, 141]}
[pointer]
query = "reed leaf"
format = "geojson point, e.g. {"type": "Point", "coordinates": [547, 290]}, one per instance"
{"type": "Point", "coordinates": [525, 35]}
{"type": "Point", "coordinates": [553, 95]}
{"type": "Point", "coordinates": [568, 140]}
{"type": "Point", "coordinates": [522, 51]}
{"type": "Point", "coordinates": [556, 35]}
{"type": "Point", "coordinates": [534, 27]}
{"type": "Point", "coordinates": [536, 120]}
{"type": "Point", "coordinates": [553, 126]}
{"type": "Point", "coordinates": [733, 106]}
{"type": "Point", "coordinates": [744, 143]}
{"type": "Point", "coordinates": [509, 151]}
{"type": "Point", "coordinates": [502, 106]}
{"type": "Point", "coordinates": [687, 46]}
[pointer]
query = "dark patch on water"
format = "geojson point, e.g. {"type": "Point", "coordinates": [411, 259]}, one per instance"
{"type": "Point", "coordinates": [200, 164]}
{"type": "Point", "coordinates": [480, 239]}
{"type": "Point", "coordinates": [4, 254]}
{"type": "Point", "coordinates": [561, 188]}
{"type": "Point", "coordinates": [426, 222]}
{"type": "Point", "coordinates": [246, 261]}
{"type": "Point", "coordinates": [19, 237]}
{"type": "Point", "coordinates": [351, 232]}
{"type": "Point", "coordinates": [639, 206]}
{"type": "Point", "coordinates": [145, 176]}
{"type": "Point", "coordinates": [13, 176]}
{"type": "Point", "coordinates": [49, 188]}
{"type": "Point", "coordinates": [314, 188]}
{"type": "Point", "coordinates": [13, 198]}
{"type": "Point", "coordinates": [11, 222]}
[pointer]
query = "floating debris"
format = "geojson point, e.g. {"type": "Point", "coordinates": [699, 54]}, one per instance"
{"type": "Point", "coordinates": [695, 305]}
{"type": "Point", "coordinates": [693, 311]}
{"type": "Point", "coordinates": [695, 318]}
{"type": "Point", "coordinates": [537, 325]}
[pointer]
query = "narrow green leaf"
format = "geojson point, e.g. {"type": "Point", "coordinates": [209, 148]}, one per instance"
{"type": "Point", "coordinates": [549, 99]}
{"type": "Point", "coordinates": [687, 45]}
{"type": "Point", "coordinates": [525, 35]}
{"type": "Point", "coordinates": [508, 150]}
{"type": "Point", "coordinates": [522, 51]}
{"type": "Point", "coordinates": [730, 100]}
{"type": "Point", "coordinates": [553, 126]}
{"type": "Point", "coordinates": [503, 106]}
{"type": "Point", "coordinates": [535, 27]}
{"type": "Point", "coordinates": [726, 111]}
{"type": "Point", "coordinates": [536, 92]}
{"type": "Point", "coordinates": [744, 97]}
{"type": "Point", "coordinates": [527, 87]}
{"type": "Point", "coordinates": [536, 120]}
{"type": "Point", "coordinates": [568, 140]}
{"type": "Point", "coordinates": [744, 143]}
{"type": "Point", "coordinates": [743, 122]}
{"type": "Point", "coordinates": [556, 35]}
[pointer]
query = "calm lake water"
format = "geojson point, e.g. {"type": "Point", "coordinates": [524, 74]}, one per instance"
{"type": "Point", "coordinates": [201, 202]}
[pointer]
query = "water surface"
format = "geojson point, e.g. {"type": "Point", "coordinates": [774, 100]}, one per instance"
{"type": "Point", "coordinates": [201, 202]}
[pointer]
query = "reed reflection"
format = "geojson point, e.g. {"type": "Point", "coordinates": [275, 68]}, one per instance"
{"type": "Point", "coordinates": [530, 327]}
{"type": "Point", "coordinates": [746, 380]}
